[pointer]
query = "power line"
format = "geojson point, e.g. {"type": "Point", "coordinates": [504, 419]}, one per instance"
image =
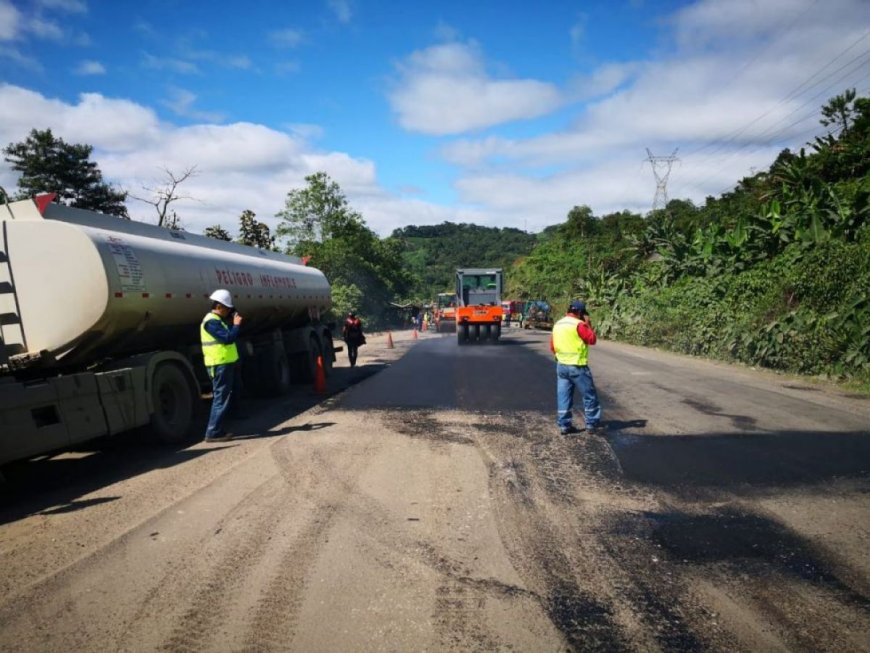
{"type": "Point", "coordinates": [775, 131]}
{"type": "Point", "coordinates": [781, 131]}
{"type": "Point", "coordinates": [718, 145]}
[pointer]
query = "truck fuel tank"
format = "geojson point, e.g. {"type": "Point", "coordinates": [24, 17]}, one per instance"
{"type": "Point", "coordinates": [85, 286]}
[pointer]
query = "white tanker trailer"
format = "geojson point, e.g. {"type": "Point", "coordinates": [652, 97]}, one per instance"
{"type": "Point", "coordinates": [100, 319]}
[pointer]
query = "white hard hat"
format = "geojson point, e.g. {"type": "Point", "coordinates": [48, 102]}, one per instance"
{"type": "Point", "coordinates": [223, 296]}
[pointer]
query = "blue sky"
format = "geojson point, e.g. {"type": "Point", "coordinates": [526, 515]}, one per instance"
{"type": "Point", "coordinates": [498, 113]}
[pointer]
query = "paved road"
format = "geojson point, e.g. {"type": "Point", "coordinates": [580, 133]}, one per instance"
{"type": "Point", "coordinates": [432, 505]}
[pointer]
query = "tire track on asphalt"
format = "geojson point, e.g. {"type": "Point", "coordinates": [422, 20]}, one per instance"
{"type": "Point", "coordinates": [251, 527]}
{"type": "Point", "coordinates": [460, 599]}
{"type": "Point", "coordinates": [273, 620]}
{"type": "Point", "coordinates": [593, 605]}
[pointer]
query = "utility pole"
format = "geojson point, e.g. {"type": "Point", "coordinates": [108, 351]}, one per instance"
{"type": "Point", "coordinates": [661, 167]}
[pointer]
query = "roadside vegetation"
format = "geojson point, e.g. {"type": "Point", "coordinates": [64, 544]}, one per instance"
{"type": "Point", "coordinates": [773, 273]}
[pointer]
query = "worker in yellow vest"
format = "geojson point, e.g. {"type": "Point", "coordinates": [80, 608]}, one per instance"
{"type": "Point", "coordinates": [220, 355]}
{"type": "Point", "coordinates": [572, 336]}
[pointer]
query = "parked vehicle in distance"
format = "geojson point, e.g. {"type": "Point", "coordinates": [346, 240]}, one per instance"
{"type": "Point", "coordinates": [537, 315]}
{"type": "Point", "coordinates": [444, 312]}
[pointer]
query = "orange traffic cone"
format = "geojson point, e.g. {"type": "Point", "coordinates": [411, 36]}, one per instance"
{"type": "Point", "coordinates": [415, 334]}
{"type": "Point", "coordinates": [320, 377]}
{"type": "Point", "coordinates": [389, 340]}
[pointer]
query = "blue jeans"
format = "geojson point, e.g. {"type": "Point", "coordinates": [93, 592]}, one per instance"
{"type": "Point", "coordinates": [569, 377]}
{"type": "Point", "coordinates": [223, 384]}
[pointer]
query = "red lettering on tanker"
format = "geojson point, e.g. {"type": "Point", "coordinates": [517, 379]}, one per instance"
{"type": "Point", "coordinates": [273, 281]}
{"type": "Point", "coordinates": [227, 277]}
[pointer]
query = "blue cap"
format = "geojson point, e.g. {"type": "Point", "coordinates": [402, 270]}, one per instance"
{"type": "Point", "coordinates": [578, 307]}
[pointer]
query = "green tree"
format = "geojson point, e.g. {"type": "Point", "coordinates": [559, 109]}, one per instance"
{"type": "Point", "coordinates": [254, 233]}
{"type": "Point", "coordinates": [319, 223]}
{"type": "Point", "coordinates": [218, 233]}
{"type": "Point", "coordinates": [50, 165]}
{"type": "Point", "coordinates": [317, 212]}
{"type": "Point", "coordinates": [839, 111]}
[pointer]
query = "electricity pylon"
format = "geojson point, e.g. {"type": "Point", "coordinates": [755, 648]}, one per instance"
{"type": "Point", "coordinates": [661, 167]}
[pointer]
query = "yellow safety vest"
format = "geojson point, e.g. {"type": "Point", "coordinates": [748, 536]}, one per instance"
{"type": "Point", "coordinates": [215, 352]}
{"type": "Point", "coordinates": [569, 346]}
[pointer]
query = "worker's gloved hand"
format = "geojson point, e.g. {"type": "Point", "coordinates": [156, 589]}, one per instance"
{"type": "Point", "coordinates": [237, 319]}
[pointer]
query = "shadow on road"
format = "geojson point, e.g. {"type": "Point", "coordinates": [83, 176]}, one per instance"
{"type": "Point", "coordinates": [760, 460]}
{"type": "Point", "coordinates": [53, 484]}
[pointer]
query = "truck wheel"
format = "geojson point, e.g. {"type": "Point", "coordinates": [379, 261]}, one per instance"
{"type": "Point", "coordinates": [461, 335]}
{"type": "Point", "coordinates": [328, 356]}
{"type": "Point", "coordinates": [308, 359]}
{"type": "Point", "coordinates": [476, 333]}
{"type": "Point", "coordinates": [172, 399]}
{"type": "Point", "coordinates": [496, 333]}
{"type": "Point", "coordinates": [274, 378]}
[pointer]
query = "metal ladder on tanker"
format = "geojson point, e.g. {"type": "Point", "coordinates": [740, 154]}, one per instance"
{"type": "Point", "coordinates": [11, 334]}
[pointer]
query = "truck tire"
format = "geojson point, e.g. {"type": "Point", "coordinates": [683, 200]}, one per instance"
{"type": "Point", "coordinates": [462, 334]}
{"type": "Point", "coordinates": [328, 355]}
{"type": "Point", "coordinates": [496, 333]}
{"type": "Point", "coordinates": [307, 360]}
{"type": "Point", "coordinates": [173, 401]}
{"type": "Point", "coordinates": [274, 378]}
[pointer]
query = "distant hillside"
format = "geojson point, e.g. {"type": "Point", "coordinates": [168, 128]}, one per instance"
{"type": "Point", "coordinates": [432, 253]}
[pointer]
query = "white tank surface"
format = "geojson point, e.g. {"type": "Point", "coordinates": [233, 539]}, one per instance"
{"type": "Point", "coordinates": [88, 285]}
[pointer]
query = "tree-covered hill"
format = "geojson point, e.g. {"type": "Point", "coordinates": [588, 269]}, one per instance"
{"type": "Point", "coordinates": [432, 253]}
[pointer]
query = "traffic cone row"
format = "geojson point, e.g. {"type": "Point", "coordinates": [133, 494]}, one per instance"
{"type": "Point", "coordinates": [320, 377]}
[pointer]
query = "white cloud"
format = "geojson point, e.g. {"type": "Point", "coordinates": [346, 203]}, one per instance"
{"type": "Point", "coordinates": [181, 101]}
{"type": "Point", "coordinates": [10, 21]}
{"type": "Point", "coordinates": [180, 66]}
{"type": "Point", "coordinates": [287, 67]}
{"type": "Point", "coordinates": [240, 166]}
{"type": "Point", "coordinates": [711, 21]}
{"type": "Point", "coordinates": [90, 68]}
{"type": "Point", "coordinates": [14, 55]}
{"type": "Point", "coordinates": [71, 6]}
{"type": "Point", "coordinates": [287, 38]}
{"type": "Point", "coordinates": [444, 89]}
{"type": "Point", "coordinates": [341, 9]}
{"type": "Point", "coordinates": [44, 29]}
{"type": "Point", "coordinates": [729, 105]}
{"type": "Point", "coordinates": [577, 32]}
{"type": "Point", "coordinates": [232, 61]}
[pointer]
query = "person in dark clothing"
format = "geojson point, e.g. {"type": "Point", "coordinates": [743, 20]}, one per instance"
{"type": "Point", "coordinates": [220, 355]}
{"type": "Point", "coordinates": [352, 332]}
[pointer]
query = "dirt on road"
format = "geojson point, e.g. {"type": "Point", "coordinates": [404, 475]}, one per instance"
{"type": "Point", "coordinates": [389, 517]}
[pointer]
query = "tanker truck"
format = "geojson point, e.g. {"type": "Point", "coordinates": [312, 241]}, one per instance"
{"type": "Point", "coordinates": [100, 321]}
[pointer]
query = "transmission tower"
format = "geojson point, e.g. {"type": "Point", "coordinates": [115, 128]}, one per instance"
{"type": "Point", "coordinates": [661, 167]}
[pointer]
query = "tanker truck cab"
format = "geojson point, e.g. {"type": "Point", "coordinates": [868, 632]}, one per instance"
{"type": "Point", "coordinates": [100, 321]}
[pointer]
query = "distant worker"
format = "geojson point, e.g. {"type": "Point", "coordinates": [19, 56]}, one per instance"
{"type": "Point", "coordinates": [220, 355]}
{"type": "Point", "coordinates": [572, 336]}
{"type": "Point", "coordinates": [352, 332]}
